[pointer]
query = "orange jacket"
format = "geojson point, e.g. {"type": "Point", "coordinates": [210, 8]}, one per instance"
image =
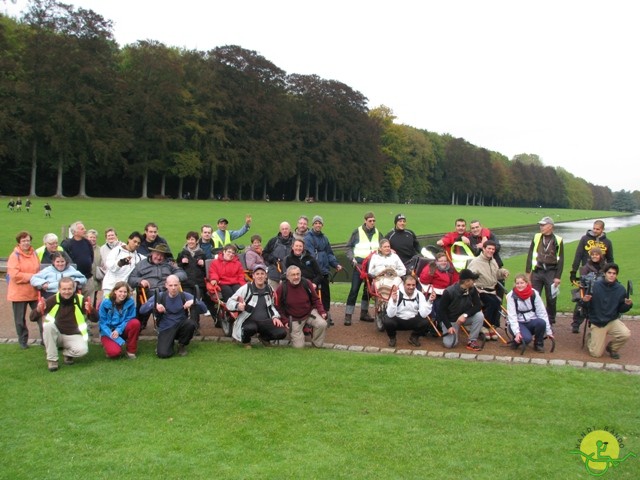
{"type": "Point", "coordinates": [20, 268]}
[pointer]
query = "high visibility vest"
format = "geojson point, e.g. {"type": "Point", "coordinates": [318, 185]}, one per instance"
{"type": "Point", "coordinates": [40, 251]}
{"type": "Point", "coordinates": [217, 241]}
{"type": "Point", "coordinates": [82, 324]}
{"type": "Point", "coordinates": [365, 246]}
{"type": "Point", "coordinates": [536, 243]}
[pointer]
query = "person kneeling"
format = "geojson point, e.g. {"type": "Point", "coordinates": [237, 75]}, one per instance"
{"type": "Point", "coordinates": [299, 303]}
{"type": "Point", "coordinates": [64, 324]}
{"type": "Point", "coordinates": [172, 316]}
{"type": "Point", "coordinates": [117, 322]}
{"type": "Point", "coordinates": [255, 301]}
{"type": "Point", "coordinates": [407, 310]}
{"type": "Point", "coordinates": [527, 315]}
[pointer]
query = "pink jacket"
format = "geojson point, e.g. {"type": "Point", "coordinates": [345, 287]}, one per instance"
{"type": "Point", "coordinates": [20, 268]}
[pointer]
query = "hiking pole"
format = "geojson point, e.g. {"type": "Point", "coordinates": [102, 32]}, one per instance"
{"type": "Point", "coordinates": [433, 325]}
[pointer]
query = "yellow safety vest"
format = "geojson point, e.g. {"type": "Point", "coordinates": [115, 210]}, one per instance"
{"type": "Point", "coordinates": [217, 241]}
{"type": "Point", "coordinates": [80, 320]}
{"type": "Point", "coordinates": [536, 242]}
{"type": "Point", "coordinates": [365, 246]}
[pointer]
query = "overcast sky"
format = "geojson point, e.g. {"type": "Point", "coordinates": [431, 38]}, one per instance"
{"type": "Point", "coordinates": [556, 78]}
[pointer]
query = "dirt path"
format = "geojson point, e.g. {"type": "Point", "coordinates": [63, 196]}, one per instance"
{"type": "Point", "coordinates": [568, 345]}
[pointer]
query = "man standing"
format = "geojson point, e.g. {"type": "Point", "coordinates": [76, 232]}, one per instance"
{"type": "Point", "coordinates": [206, 242]}
{"type": "Point", "coordinates": [172, 313]}
{"type": "Point", "coordinates": [302, 227]}
{"type": "Point", "coordinates": [150, 239]}
{"type": "Point", "coordinates": [478, 235]}
{"type": "Point", "coordinates": [120, 262]}
{"type": "Point", "coordinates": [275, 252]}
{"type": "Point", "coordinates": [459, 235]}
{"type": "Point", "coordinates": [364, 240]}
{"type": "Point", "coordinates": [300, 305]}
{"type": "Point", "coordinates": [222, 236]}
{"type": "Point", "coordinates": [593, 238]}
{"type": "Point", "coordinates": [545, 262]}
{"type": "Point", "coordinates": [80, 250]}
{"type": "Point", "coordinates": [403, 241]}
{"type": "Point", "coordinates": [608, 300]}
{"type": "Point", "coordinates": [258, 314]}
{"type": "Point", "coordinates": [460, 306]}
{"type": "Point", "coordinates": [64, 324]}
{"type": "Point", "coordinates": [407, 310]}
{"type": "Point", "coordinates": [318, 245]}
{"type": "Point", "coordinates": [490, 274]}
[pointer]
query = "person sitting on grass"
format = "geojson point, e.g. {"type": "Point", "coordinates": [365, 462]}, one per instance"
{"type": "Point", "coordinates": [47, 280]}
{"type": "Point", "coordinates": [608, 300]}
{"type": "Point", "coordinates": [174, 322]}
{"type": "Point", "coordinates": [460, 306]}
{"type": "Point", "coordinates": [407, 310]}
{"type": "Point", "coordinates": [527, 315]}
{"type": "Point", "coordinates": [258, 314]}
{"type": "Point", "coordinates": [117, 323]}
{"type": "Point", "coordinates": [64, 324]}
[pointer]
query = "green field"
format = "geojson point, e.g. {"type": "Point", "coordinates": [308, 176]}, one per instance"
{"type": "Point", "coordinates": [176, 217]}
{"type": "Point", "coordinates": [226, 412]}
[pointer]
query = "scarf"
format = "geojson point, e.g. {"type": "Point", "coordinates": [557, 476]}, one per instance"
{"type": "Point", "coordinates": [525, 293]}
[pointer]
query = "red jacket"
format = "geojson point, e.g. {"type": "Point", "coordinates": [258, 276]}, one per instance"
{"type": "Point", "coordinates": [438, 278]}
{"type": "Point", "coordinates": [227, 272]}
{"type": "Point", "coordinates": [451, 238]}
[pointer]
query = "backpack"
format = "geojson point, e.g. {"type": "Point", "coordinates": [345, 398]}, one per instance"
{"type": "Point", "coordinates": [518, 300]}
{"type": "Point", "coordinates": [305, 283]}
{"type": "Point", "coordinates": [161, 298]}
{"type": "Point", "coordinates": [403, 300]}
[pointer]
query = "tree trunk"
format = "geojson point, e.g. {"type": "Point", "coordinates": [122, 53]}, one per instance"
{"type": "Point", "coordinates": [308, 186]}
{"type": "Point", "coordinates": [82, 190]}
{"type": "Point", "coordinates": [196, 193]}
{"type": "Point", "coordinates": [59, 181]}
{"type": "Point", "coordinates": [298, 182]}
{"type": "Point", "coordinates": [252, 191]}
{"type": "Point", "coordinates": [264, 189]}
{"type": "Point", "coordinates": [180, 186]}
{"type": "Point", "coordinates": [326, 191]}
{"type": "Point", "coordinates": [34, 168]}
{"type": "Point", "coordinates": [163, 185]}
{"type": "Point", "coordinates": [211, 181]}
{"type": "Point", "coordinates": [226, 186]}
{"type": "Point", "coordinates": [145, 180]}
{"type": "Point", "coordinates": [240, 191]}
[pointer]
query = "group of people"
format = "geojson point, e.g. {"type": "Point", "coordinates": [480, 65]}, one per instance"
{"type": "Point", "coordinates": [284, 288]}
{"type": "Point", "coordinates": [16, 205]}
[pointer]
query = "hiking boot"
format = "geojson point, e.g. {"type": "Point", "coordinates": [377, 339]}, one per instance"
{"type": "Point", "coordinates": [414, 340]}
{"type": "Point", "coordinates": [131, 356]}
{"type": "Point", "coordinates": [365, 317]}
{"type": "Point", "coordinates": [264, 342]}
{"type": "Point", "coordinates": [473, 345]}
{"type": "Point", "coordinates": [182, 350]}
{"type": "Point", "coordinates": [329, 320]}
{"type": "Point", "coordinates": [575, 329]}
{"type": "Point", "coordinates": [52, 365]}
{"type": "Point", "coordinates": [612, 354]}
{"type": "Point", "coordinates": [347, 319]}
{"type": "Point", "coordinates": [68, 360]}
{"type": "Point", "coordinates": [539, 348]}
{"type": "Point", "coordinates": [392, 342]}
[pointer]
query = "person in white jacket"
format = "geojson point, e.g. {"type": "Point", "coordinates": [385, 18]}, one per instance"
{"type": "Point", "coordinates": [120, 262]}
{"type": "Point", "coordinates": [408, 310]}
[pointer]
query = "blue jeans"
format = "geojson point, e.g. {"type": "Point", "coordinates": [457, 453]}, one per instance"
{"type": "Point", "coordinates": [533, 328]}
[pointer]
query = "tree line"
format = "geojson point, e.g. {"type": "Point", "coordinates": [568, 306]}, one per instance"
{"type": "Point", "coordinates": [80, 115]}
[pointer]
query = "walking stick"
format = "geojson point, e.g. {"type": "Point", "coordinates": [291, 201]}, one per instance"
{"type": "Point", "coordinates": [433, 325]}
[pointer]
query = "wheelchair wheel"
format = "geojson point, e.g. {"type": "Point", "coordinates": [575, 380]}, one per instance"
{"type": "Point", "coordinates": [226, 324]}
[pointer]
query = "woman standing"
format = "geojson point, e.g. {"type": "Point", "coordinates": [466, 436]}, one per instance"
{"type": "Point", "coordinates": [22, 264]}
{"type": "Point", "coordinates": [117, 323]}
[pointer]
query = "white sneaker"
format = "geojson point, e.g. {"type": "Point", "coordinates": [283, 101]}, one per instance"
{"type": "Point", "coordinates": [485, 330]}
{"type": "Point", "coordinates": [208, 314]}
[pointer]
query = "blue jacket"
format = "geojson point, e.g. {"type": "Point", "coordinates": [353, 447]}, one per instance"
{"type": "Point", "coordinates": [52, 276]}
{"type": "Point", "coordinates": [607, 302]}
{"type": "Point", "coordinates": [114, 319]}
{"type": "Point", "coordinates": [318, 246]}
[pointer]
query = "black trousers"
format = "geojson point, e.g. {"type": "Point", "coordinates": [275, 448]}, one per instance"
{"type": "Point", "coordinates": [418, 324]}
{"type": "Point", "coordinates": [265, 328]}
{"type": "Point", "coordinates": [182, 332]}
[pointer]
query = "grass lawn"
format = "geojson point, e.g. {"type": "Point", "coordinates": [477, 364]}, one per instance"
{"type": "Point", "coordinates": [225, 412]}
